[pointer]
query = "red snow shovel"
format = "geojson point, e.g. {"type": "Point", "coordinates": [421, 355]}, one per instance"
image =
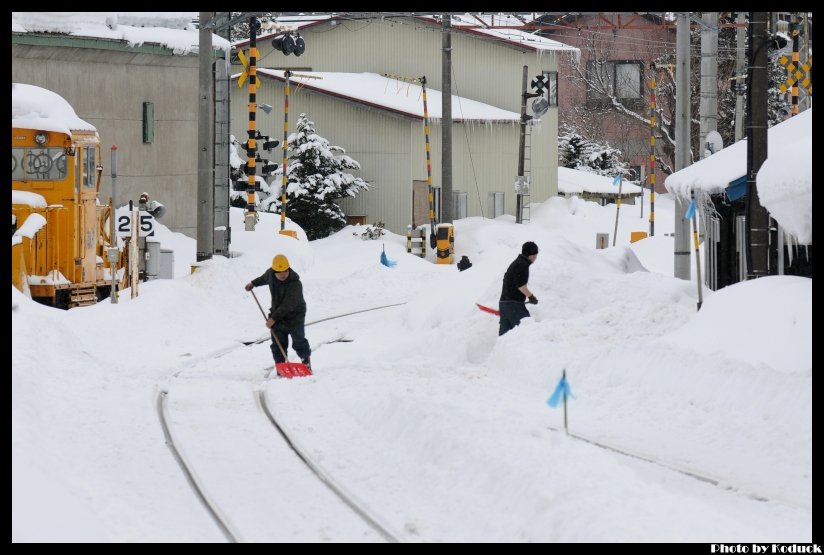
{"type": "Point", "coordinates": [489, 310]}
{"type": "Point", "coordinates": [284, 369]}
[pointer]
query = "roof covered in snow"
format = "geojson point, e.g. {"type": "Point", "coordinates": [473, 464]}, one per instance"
{"type": "Point", "coordinates": [784, 181]}
{"type": "Point", "coordinates": [476, 24]}
{"type": "Point", "coordinates": [572, 181]}
{"type": "Point", "coordinates": [466, 23]}
{"type": "Point", "coordinates": [173, 30]}
{"type": "Point", "coordinates": [392, 95]}
{"type": "Point", "coordinates": [38, 108]}
{"type": "Point", "coordinates": [714, 173]}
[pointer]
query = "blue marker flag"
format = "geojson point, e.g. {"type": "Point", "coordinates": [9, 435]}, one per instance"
{"type": "Point", "coordinates": [616, 180]}
{"type": "Point", "coordinates": [385, 260]}
{"type": "Point", "coordinates": [690, 211]}
{"type": "Point", "coordinates": [555, 398]}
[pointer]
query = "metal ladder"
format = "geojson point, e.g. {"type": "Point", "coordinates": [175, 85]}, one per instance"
{"type": "Point", "coordinates": [525, 202]}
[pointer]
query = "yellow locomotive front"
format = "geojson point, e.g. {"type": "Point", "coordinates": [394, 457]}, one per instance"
{"type": "Point", "coordinates": [59, 238]}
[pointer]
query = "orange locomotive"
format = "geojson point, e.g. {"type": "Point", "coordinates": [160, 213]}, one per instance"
{"type": "Point", "coordinates": [59, 229]}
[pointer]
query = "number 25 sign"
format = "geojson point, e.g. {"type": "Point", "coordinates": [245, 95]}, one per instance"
{"type": "Point", "coordinates": [123, 223]}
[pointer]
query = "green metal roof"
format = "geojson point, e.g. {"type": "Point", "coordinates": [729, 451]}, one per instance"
{"type": "Point", "coordinates": [62, 40]}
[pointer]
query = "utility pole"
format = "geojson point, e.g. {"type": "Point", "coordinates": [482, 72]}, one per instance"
{"type": "Point", "coordinates": [805, 55]}
{"type": "Point", "coordinates": [682, 141]}
{"type": "Point", "coordinates": [708, 108]}
{"type": "Point", "coordinates": [758, 219]}
{"type": "Point", "coordinates": [740, 40]}
{"type": "Point", "coordinates": [205, 143]}
{"type": "Point", "coordinates": [447, 213]}
{"type": "Point", "coordinates": [223, 231]}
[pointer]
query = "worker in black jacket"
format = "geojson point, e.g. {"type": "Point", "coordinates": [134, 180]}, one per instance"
{"type": "Point", "coordinates": [288, 313]}
{"type": "Point", "coordinates": [515, 291]}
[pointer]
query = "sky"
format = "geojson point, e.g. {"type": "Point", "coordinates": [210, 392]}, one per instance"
{"type": "Point", "coordinates": [684, 425]}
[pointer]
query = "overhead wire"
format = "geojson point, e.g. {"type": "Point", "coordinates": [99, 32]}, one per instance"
{"type": "Point", "coordinates": [468, 148]}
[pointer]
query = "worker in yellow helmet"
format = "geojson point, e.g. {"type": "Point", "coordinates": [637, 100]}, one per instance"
{"type": "Point", "coordinates": [288, 313]}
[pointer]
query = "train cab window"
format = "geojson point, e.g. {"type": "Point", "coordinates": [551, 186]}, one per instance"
{"type": "Point", "coordinates": [89, 167]}
{"type": "Point", "coordinates": [38, 164]}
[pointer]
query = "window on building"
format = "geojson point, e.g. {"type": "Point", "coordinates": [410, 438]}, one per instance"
{"type": "Point", "coordinates": [495, 204]}
{"type": "Point", "coordinates": [628, 80]}
{"type": "Point", "coordinates": [148, 122]}
{"type": "Point", "coordinates": [459, 199]}
{"type": "Point", "coordinates": [621, 79]}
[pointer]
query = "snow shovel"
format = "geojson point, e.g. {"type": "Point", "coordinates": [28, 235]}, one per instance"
{"type": "Point", "coordinates": [491, 310]}
{"type": "Point", "coordinates": [284, 369]}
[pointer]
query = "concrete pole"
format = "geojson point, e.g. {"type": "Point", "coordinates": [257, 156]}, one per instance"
{"type": "Point", "coordinates": [758, 219]}
{"type": "Point", "coordinates": [740, 68]}
{"type": "Point", "coordinates": [682, 142]}
{"type": "Point", "coordinates": [708, 108]}
{"type": "Point", "coordinates": [112, 225]}
{"type": "Point", "coordinates": [447, 212]}
{"type": "Point", "coordinates": [805, 54]}
{"type": "Point", "coordinates": [205, 144]}
{"type": "Point", "coordinates": [222, 132]}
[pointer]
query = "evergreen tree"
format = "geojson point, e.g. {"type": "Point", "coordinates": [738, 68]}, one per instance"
{"type": "Point", "coordinates": [315, 180]}
{"type": "Point", "coordinates": [577, 152]}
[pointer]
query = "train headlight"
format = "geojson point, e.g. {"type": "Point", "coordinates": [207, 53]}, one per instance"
{"type": "Point", "coordinates": [40, 138]}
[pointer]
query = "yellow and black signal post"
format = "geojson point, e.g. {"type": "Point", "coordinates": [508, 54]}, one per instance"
{"type": "Point", "coordinates": [286, 74]}
{"type": "Point", "coordinates": [250, 216]}
{"type": "Point", "coordinates": [431, 192]}
{"type": "Point", "coordinates": [433, 241]}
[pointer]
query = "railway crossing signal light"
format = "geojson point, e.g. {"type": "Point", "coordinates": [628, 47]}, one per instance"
{"type": "Point", "coordinates": [540, 105]}
{"type": "Point", "coordinates": [268, 168]}
{"type": "Point", "coordinates": [289, 44]}
{"type": "Point", "coordinates": [269, 145]}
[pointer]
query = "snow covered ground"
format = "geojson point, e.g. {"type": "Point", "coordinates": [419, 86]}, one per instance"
{"type": "Point", "coordinates": [436, 426]}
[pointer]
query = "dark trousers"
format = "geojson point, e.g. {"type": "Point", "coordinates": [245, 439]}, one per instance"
{"type": "Point", "coordinates": [299, 342]}
{"type": "Point", "coordinates": [512, 312]}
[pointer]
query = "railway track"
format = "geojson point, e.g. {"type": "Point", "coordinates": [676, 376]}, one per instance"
{"type": "Point", "coordinates": [218, 515]}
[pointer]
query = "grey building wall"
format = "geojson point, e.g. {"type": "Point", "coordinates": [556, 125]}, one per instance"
{"type": "Point", "coordinates": [379, 141]}
{"type": "Point", "coordinates": [107, 83]}
{"type": "Point", "coordinates": [391, 150]}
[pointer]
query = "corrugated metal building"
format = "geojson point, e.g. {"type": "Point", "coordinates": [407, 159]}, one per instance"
{"type": "Point", "coordinates": [487, 67]}
{"type": "Point", "coordinates": [379, 122]}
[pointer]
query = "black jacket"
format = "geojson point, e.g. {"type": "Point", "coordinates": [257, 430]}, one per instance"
{"type": "Point", "coordinates": [288, 305]}
{"type": "Point", "coordinates": [517, 275]}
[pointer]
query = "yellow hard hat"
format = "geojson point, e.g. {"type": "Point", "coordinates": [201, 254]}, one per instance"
{"type": "Point", "coordinates": [280, 263]}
